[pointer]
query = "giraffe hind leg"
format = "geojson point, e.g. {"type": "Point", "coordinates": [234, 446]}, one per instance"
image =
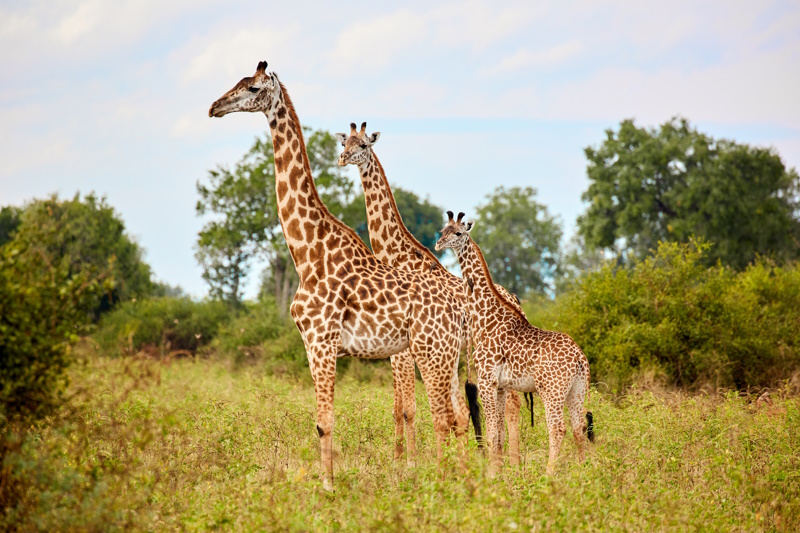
{"type": "Point", "coordinates": [580, 426]}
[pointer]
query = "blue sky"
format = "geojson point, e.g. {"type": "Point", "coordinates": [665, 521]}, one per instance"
{"type": "Point", "coordinates": [113, 97]}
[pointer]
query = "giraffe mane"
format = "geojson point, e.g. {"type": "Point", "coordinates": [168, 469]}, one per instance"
{"type": "Point", "coordinates": [488, 276]}
{"type": "Point", "coordinates": [307, 169]}
{"type": "Point", "coordinates": [402, 226]}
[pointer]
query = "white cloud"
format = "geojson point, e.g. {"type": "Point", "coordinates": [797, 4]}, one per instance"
{"type": "Point", "coordinates": [524, 58]}
{"type": "Point", "coordinates": [375, 42]}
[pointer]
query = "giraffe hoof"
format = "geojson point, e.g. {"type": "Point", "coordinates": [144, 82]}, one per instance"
{"type": "Point", "coordinates": [327, 485]}
{"type": "Point", "coordinates": [411, 463]}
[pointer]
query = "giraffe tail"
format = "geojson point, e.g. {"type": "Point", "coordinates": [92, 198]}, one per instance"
{"type": "Point", "coordinates": [474, 410]}
{"type": "Point", "coordinates": [529, 402]}
{"type": "Point", "coordinates": [589, 426]}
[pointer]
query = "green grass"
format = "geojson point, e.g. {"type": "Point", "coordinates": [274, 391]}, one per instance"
{"type": "Point", "coordinates": [183, 445]}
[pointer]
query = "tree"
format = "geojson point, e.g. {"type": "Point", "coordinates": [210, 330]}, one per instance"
{"type": "Point", "coordinates": [90, 238]}
{"type": "Point", "coordinates": [247, 227]}
{"type": "Point", "coordinates": [46, 294]}
{"type": "Point", "coordinates": [668, 184]}
{"type": "Point", "coordinates": [9, 220]}
{"type": "Point", "coordinates": [519, 239]}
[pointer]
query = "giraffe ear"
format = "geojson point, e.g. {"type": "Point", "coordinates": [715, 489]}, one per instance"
{"type": "Point", "coordinates": [469, 226]}
{"type": "Point", "coordinates": [341, 137]}
{"type": "Point", "coordinates": [374, 137]}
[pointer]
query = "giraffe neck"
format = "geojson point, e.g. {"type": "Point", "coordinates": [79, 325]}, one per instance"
{"type": "Point", "coordinates": [391, 240]}
{"type": "Point", "coordinates": [307, 224]}
{"type": "Point", "coordinates": [475, 271]}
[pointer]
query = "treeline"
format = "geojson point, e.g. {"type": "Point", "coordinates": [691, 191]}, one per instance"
{"type": "Point", "coordinates": [718, 314]}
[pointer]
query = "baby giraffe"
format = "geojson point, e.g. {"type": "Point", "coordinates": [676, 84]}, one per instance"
{"type": "Point", "coordinates": [511, 354]}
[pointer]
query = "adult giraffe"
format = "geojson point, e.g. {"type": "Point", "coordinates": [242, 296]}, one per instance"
{"type": "Point", "coordinates": [348, 302]}
{"type": "Point", "coordinates": [511, 354]}
{"type": "Point", "coordinates": [394, 244]}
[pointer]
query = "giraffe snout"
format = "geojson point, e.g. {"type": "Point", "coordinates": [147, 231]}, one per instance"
{"type": "Point", "coordinates": [343, 159]}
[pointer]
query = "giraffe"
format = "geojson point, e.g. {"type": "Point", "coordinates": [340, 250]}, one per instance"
{"type": "Point", "coordinates": [511, 354]}
{"type": "Point", "coordinates": [394, 244]}
{"type": "Point", "coordinates": [348, 303]}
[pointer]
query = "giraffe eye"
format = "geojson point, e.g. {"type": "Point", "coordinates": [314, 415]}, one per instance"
{"type": "Point", "coordinates": [364, 146]}
{"type": "Point", "coordinates": [458, 234]}
{"type": "Point", "coordinates": [254, 89]}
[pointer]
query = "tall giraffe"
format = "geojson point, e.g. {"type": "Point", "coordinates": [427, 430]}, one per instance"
{"type": "Point", "coordinates": [394, 244]}
{"type": "Point", "coordinates": [348, 303]}
{"type": "Point", "coordinates": [511, 354]}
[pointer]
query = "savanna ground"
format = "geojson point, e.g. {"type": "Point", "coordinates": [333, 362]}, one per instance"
{"type": "Point", "coordinates": [160, 445]}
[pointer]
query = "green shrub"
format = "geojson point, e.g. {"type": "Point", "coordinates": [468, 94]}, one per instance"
{"type": "Point", "coordinates": [44, 302]}
{"type": "Point", "coordinates": [262, 335]}
{"type": "Point", "coordinates": [693, 326]}
{"type": "Point", "coordinates": [163, 324]}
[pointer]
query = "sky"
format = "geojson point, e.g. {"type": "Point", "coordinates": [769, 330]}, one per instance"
{"type": "Point", "coordinates": [113, 97]}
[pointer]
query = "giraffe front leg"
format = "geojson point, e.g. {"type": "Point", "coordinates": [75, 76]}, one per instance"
{"type": "Point", "coordinates": [513, 405]}
{"type": "Point", "coordinates": [501, 415]}
{"type": "Point", "coordinates": [397, 411]}
{"type": "Point", "coordinates": [407, 380]}
{"type": "Point", "coordinates": [487, 388]}
{"type": "Point", "coordinates": [322, 361]}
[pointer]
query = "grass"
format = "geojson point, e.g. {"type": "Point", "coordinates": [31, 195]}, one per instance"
{"type": "Point", "coordinates": [194, 446]}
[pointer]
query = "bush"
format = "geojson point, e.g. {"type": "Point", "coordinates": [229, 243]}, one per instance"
{"type": "Point", "coordinates": [44, 302]}
{"type": "Point", "coordinates": [162, 324]}
{"type": "Point", "coordinates": [262, 335]}
{"type": "Point", "coordinates": [672, 317]}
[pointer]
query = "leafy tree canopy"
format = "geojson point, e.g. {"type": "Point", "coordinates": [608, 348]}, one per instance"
{"type": "Point", "coordinates": [519, 239]}
{"type": "Point", "coordinates": [46, 295]}
{"type": "Point", "coordinates": [670, 183]}
{"type": "Point", "coordinates": [90, 237]}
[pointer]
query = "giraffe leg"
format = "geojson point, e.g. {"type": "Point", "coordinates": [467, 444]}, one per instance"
{"type": "Point", "coordinates": [501, 415]}
{"type": "Point", "coordinates": [405, 404]}
{"type": "Point", "coordinates": [409, 405]}
{"type": "Point", "coordinates": [513, 405]}
{"type": "Point", "coordinates": [322, 360]}
{"type": "Point", "coordinates": [575, 401]}
{"type": "Point", "coordinates": [460, 409]}
{"type": "Point", "coordinates": [437, 386]}
{"type": "Point", "coordinates": [556, 428]}
{"type": "Point", "coordinates": [488, 392]}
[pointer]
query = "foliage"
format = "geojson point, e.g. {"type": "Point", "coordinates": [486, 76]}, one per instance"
{"type": "Point", "coordinates": [90, 236]}
{"type": "Point", "coordinates": [161, 325]}
{"type": "Point", "coordinates": [519, 239]}
{"type": "Point", "coordinates": [263, 335]}
{"type": "Point", "coordinates": [673, 183]}
{"type": "Point", "coordinates": [9, 221]}
{"type": "Point", "coordinates": [672, 317]}
{"type": "Point", "coordinates": [201, 448]}
{"type": "Point", "coordinates": [45, 298]}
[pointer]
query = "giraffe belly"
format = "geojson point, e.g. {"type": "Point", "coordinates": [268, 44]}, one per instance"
{"type": "Point", "coordinates": [356, 344]}
{"type": "Point", "coordinates": [509, 380]}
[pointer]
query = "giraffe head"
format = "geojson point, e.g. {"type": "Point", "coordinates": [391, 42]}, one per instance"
{"type": "Point", "coordinates": [251, 94]}
{"type": "Point", "coordinates": [454, 234]}
{"type": "Point", "coordinates": [357, 145]}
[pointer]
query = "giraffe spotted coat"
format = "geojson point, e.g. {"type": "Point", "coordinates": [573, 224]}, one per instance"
{"type": "Point", "coordinates": [394, 244]}
{"type": "Point", "coordinates": [511, 354]}
{"type": "Point", "coordinates": [348, 302]}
